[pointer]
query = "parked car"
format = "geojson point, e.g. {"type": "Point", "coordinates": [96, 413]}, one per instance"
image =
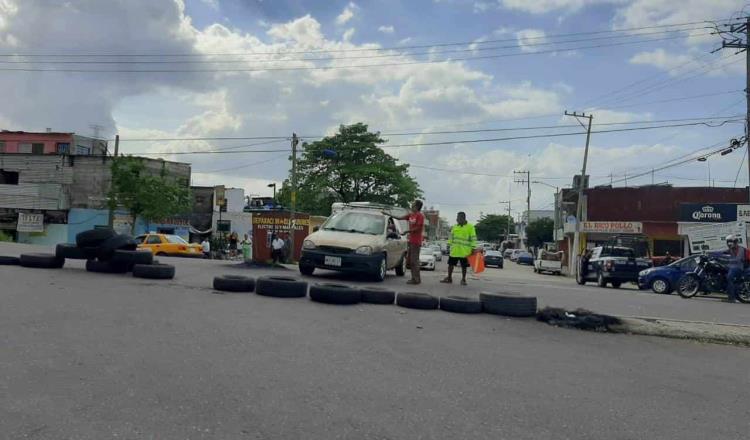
{"type": "Point", "coordinates": [663, 279]}
{"type": "Point", "coordinates": [525, 257]}
{"type": "Point", "coordinates": [507, 253]}
{"type": "Point", "coordinates": [359, 239]}
{"type": "Point", "coordinates": [514, 254]}
{"type": "Point", "coordinates": [546, 261]}
{"type": "Point", "coordinates": [615, 263]}
{"type": "Point", "coordinates": [169, 245]}
{"type": "Point", "coordinates": [437, 252]}
{"type": "Point", "coordinates": [493, 258]}
{"type": "Point", "coordinates": [427, 258]}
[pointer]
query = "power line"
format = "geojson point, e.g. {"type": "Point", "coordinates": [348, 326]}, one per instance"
{"type": "Point", "coordinates": [353, 66]}
{"type": "Point", "coordinates": [247, 165]}
{"type": "Point", "coordinates": [370, 49]}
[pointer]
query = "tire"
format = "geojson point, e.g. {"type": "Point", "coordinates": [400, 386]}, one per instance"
{"type": "Point", "coordinates": [131, 258]}
{"type": "Point", "coordinates": [616, 284]}
{"type": "Point", "coordinates": [375, 295]}
{"type": "Point", "coordinates": [161, 254]}
{"type": "Point", "coordinates": [9, 261]}
{"type": "Point", "coordinates": [689, 285]}
{"type": "Point", "coordinates": [306, 269]}
{"type": "Point", "coordinates": [415, 300]}
{"type": "Point", "coordinates": [118, 242]}
{"type": "Point", "coordinates": [535, 270]}
{"type": "Point", "coordinates": [508, 304]}
{"type": "Point", "coordinates": [460, 304]}
{"type": "Point", "coordinates": [72, 251]}
{"type": "Point", "coordinates": [154, 271]}
{"type": "Point", "coordinates": [334, 294]}
{"type": "Point", "coordinates": [743, 292]}
{"type": "Point", "coordinates": [401, 267]}
{"type": "Point", "coordinates": [41, 261]}
{"type": "Point", "coordinates": [105, 267]}
{"type": "Point", "coordinates": [600, 281]}
{"type": "Point", "coordinates": [281, 287]}
{"type": "Point", "coordinates": [379, 274]}
{"type": "Point", "coordinates": [94, 237]}
{"type": "Point", "coordinates": [234, 283]}
{"type": "Point", "coordinates": [661, 286]}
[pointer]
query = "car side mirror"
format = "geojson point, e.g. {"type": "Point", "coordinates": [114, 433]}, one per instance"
{"type": "Point", "coordinates": [393, 236]}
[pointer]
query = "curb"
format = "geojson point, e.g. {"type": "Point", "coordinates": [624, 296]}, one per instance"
{"type": "Point", "coordinates": [699, 331]}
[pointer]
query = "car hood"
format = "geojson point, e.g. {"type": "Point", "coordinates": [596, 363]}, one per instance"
{"type": "Point", "coordinates": [423, 257]}
{"type": "Point", "coordinates": [342, 239]}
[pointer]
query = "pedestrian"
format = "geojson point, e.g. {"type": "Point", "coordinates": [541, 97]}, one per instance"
{"type": "Point", "coordinates": [584, 269]}
{"type": "Point", "coordinates": [738, 259]}
{"type": "Point", "coordinates": [288, 253]}
{"type": "Point", "coordinates": [206, 248]}
{"type": "Point", "coordinates": [667, 259]}
{"type": "Point", "coordinates": [233, 239]}
{"type": "Point", "coordinates": [246, 246]}
{"type": "Point", "coordinates": [416, 236]}
{"type": "Point", "coordinates": [463, 243]}
{"type": "Point", "coordinates": [277, 249]}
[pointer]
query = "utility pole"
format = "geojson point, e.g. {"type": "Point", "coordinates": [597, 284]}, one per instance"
{"type": "Point", "coordinates": [507, 231]}
{"type": "Point", "coordinates": [527, 181]}
{"type": "Point", "coordinates": [581, 183]}
{"type": "Point", "coordinates": [111, 215]}
{"type": "Point", "coordinates": [736, 41]}
{"type": "Point", "coordinates": [293, 207]}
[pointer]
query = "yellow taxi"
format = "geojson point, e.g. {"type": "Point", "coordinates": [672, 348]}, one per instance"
{"type": "Point", "coordinates": [168, 245]}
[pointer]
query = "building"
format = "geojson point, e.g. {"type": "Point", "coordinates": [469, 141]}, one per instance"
{"type": "Point", "coordinates": [662, 214]}
{"type": "Point", "coordinates": [49, 198]}
{"type": "Point", "coordinates": [51, 143]}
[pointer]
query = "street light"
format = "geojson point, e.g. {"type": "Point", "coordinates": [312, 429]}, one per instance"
{"type": "Point", "coordinates": [273, 185]}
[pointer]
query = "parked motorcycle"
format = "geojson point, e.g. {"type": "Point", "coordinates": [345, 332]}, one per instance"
{"type": "Point", "coordinates": [710, 275]}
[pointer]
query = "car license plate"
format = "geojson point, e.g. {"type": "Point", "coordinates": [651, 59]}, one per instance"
{"type": "Point", "coordinates": [332, 261]}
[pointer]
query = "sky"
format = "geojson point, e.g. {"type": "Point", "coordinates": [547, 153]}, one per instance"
{"type": "Point", "coordinates": [477, 72]}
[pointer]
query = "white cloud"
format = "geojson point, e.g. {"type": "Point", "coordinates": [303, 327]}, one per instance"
{"type": "Point", "coordinates": [386, 29]}
{"type": "Point", "coordinates": [547, 6]}
{"type": "Point", "coordinates": [528, 39]}
{"type": "Point", "coordinates": [347, 14]}
{"type": "Point", "coordinates": [214, 4]}
{"type": "Point", "coordinates": [404, 41]}
{"type": "Point", "coordinates": [660, 59]}
{"type": "Point", "coordinates": [347, 36]}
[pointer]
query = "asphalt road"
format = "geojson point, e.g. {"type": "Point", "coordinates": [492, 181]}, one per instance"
{"type": "Point", "coordinates": [94, 356]}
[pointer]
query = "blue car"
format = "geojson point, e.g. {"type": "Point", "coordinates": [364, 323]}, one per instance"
{"type": "Point", "coordinates": [525, 258]}
{"type": "Point", "coordinates": [663, 279]}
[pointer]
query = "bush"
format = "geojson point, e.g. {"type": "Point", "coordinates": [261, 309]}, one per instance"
{"type": "Point", "coordinates": [5, 237]}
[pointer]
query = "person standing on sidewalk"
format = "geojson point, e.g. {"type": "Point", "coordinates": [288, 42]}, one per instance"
{"type": "Point", "coordinates": [277, 249]}
{"type": "Point", "coordinates": [416, 234]}
{"type": "Point", "coordinates": [463, 243]}
{"type": "Point", "coordinates": [206, 247]}
{"type": "Point", "coordinates": [738, 259]}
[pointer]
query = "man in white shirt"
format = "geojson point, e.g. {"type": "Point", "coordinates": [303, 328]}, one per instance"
{"type": "Point", "coordinates": [206, 246]}
{"type": "Point", "coordinates": [277, 248]}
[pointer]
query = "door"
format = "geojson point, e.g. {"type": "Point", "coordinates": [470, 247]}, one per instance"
{"type": "Point", "coordinates": [393, 246]}
{"type": "Point", "coordinates": [154, 243]}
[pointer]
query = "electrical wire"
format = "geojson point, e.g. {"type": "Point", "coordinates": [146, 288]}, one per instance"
{"type": "Point", "coordinates": [247, 165]}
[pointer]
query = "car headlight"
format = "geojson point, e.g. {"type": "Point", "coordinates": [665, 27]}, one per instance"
{"type": "Point", "coordinates": [363, 250]}
{"type": "Point", "coordinates": [643, 273]}
{"type": "Point", "coordinates": [308, 244]}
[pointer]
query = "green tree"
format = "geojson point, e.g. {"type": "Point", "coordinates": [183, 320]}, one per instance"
{"type": "Point", "coordinates": [493, 227]}
{"type": "Point", "coordinates": [540, 231]}
{"type": "Point", "coordinates": [145, 194]}
{"type": "Point", "coordinates": [360, 172]}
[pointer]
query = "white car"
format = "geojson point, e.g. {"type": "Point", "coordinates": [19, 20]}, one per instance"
{"type": "Point", "coordinates": [437, 252]}
{"type": "Point", "coordinates": [514, 254]}
{"type": "Point", "coordinates": [427, 258]}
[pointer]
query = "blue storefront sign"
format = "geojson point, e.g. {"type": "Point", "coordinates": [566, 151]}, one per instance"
{"type": "Point", "coordinates": [708, 212]}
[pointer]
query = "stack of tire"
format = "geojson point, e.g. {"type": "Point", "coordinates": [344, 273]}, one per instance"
{"type": "Point", "coordinates": [108, 252]}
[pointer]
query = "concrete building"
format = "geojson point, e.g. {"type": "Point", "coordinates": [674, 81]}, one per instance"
{"type": "Point", "coordinates": [51, 143]}
{"type": "Point", "coordinates": [69, 194]}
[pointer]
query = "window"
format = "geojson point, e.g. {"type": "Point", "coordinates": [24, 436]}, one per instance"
{"type": "Point", "coordinates": [139, 239]}
{"type": "Point", "coordinates": [24, 148]}
{"type": "Point", "coordinates": [8, 177]}
{"type": "Point", "coordinates": [80, 149]}
{"type": "Point", "coordinates": [176, 239]}
{"type": "Point", "coordinates": [356, 222]}
{"type": "Point", "coordinates": [63, 148]}
{"type": "Point", "coordinates": [37, 148]}
{"type": "Point", "coordinates": [2, 146]}
{"type": "Point", "coordinates": [153, 239]}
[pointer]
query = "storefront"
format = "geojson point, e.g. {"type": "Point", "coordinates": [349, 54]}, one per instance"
{"type": "Point", "coordinates": [268, 223]}
{"type": "Point", "coordinates": [703, 226]}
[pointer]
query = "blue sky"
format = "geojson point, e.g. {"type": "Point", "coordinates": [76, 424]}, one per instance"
{"type": "Point", "coordinates": [649, 81]}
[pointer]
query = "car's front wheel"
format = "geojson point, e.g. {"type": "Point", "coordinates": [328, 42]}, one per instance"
{"type": "Point", "coordinates": [379, 274]}
{"type": "Point", "coordinates": [660, 286]}
{"type": "Point", "coordinates": [306, 269]}
{"type": "Point", "coordinates": [401, 266]}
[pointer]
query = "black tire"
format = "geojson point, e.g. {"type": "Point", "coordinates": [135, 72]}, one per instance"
{"type": "Point", "coordinates": [379, 274]}
{"type": "Point", "coordinates": [661, 286]}
{"type": "Point", "coordinates": [154, 271]}
{"type": "Point", "coordinates": [600, 281]}
{"type": "Point", "coordinates": [116, 243]}
{"type": "Point", "coordinates": [743, 292]}
{"type": "Point", "coordinates": [105, 267]}
{"type": "Point", "coordinates": [72, 251]}
{"type": "Point", "coordinates": [9, 261]}
{"type": "Point", "coordinates": [234, 283]}
{"type": "Point", "coordinates": [416, 300]}
{"type": "Point", "coordinates": [93, 237]}
{"type": "Point", "coordinates": [375, 295]}
{"type": "Point", "coordinates": [334, 294]}
{"type": "Point", "coordinates": [616, 284]}
{"type": "Point", "coordinates": [401, 267]}
{"type": "Point", "coordinates": [281, 287]}
{"type": "Point", "coordinates": [689, 285]}
{"type": "Point", "coordinates": [41, 261]}
{"type": "Point", "coordinates": [460, 304]}
{"type": "Point", "coordinates": [508, 304]}
{"type": "Point", "coordinates": [131, 258]}
{"type": "Point", "coordinates": [306, 269]}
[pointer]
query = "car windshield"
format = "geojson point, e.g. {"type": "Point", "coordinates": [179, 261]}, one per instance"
{"type": "Point", "coordinates": [492, 254]}
{"type": "Point", "coordinates": [621, 252]}
{"type": "Point", "coordinates": [175, 239]}
{"type": "Point", "coordinates": [356, 222]}
{"type": "Point", "coordinates": [426, 251]}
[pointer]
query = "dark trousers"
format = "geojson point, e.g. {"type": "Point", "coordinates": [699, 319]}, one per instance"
{"type": "Point", "coordinates": [414, 261]}
{"type": "Point", "coordinates": [277, 255]}
{"type": "Point", "coordinates": [733, 273]}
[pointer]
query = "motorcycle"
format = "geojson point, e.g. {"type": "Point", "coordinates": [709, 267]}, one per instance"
{"type": "Point", "coordinates": [710, 275]}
